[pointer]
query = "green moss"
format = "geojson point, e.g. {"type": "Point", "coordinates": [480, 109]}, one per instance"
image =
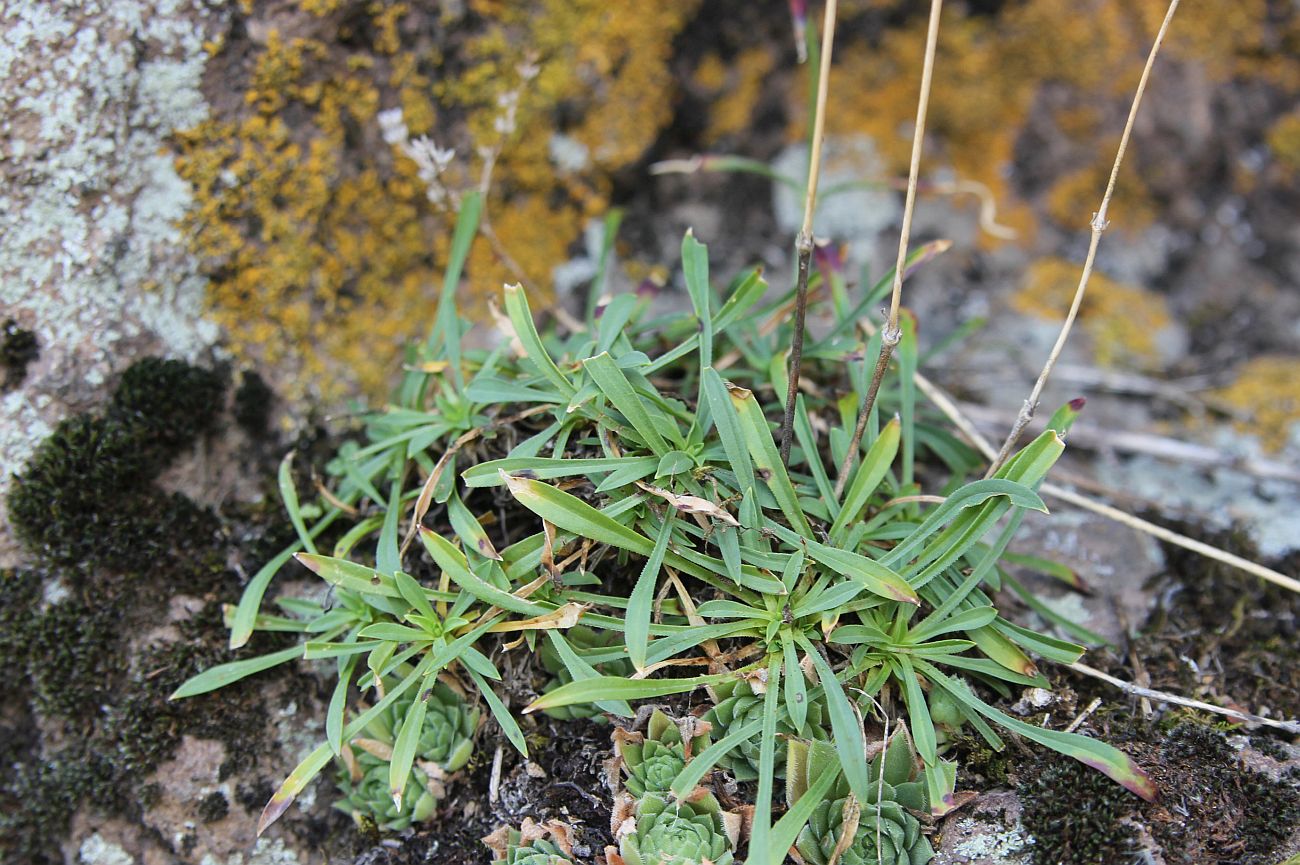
{"type": "Point", "coordinates": [1075, 814]}
{"type": "Point", "coordinates": [17, 349]}
{"type": "Point", "coordinates": [73, 659]}
{"type": "Point", "coordinates": [167, 404]}
{"type": "Point", "coordinates": [253, 401]}
{"type": "Point", "coordinates": [119, 549]}
{"type": "Point", "coordinates": [213, 807]}
{"type": "Point", "coordinates": [37, 801]}
{"type": "Point", "coordinates": [85, 496]}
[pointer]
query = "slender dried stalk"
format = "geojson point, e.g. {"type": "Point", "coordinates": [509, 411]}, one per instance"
{"type": "Point", "coordinates": [1099, 225]}
{"type": "Point", "coordinates": [891, 335]}
{"type": "Point", "coordinates": [804, 242]}
{"type": "Point", "coordinates": [946, 404]}
{"type": "Point", "coordinates": [1165, 697]}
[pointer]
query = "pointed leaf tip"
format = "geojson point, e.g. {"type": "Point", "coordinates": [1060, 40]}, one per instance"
{"type": "Point", "coordinates": [1078, 403]}
{"type": "Point", "coordinates": [274, 809]}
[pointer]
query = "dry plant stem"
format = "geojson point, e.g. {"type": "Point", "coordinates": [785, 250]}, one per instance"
{"type": "Point", "coordinates": [1164, 697]}
{"type": "Point", "coordinates": [1099, 225]}
{"type": "Point", "coordinates": [804, 242]}
{"type": "Point", "coordinates": [891, 334]}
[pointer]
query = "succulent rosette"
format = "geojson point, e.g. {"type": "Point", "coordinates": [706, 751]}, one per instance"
{"type": "Point", "coordinates": [447, 738]}
{"type": "Point", "coordinates": [369, 798]}
{"type": "Point", "coordinates": [445, 746]}
{"type": "Point", "coordinates": [681, 832]}
{"type": "Point", "coordinates": [738, 704]}
{"type": "Point", "coordinates": [654, 760]}
{"type": "Point", "coordinates": [883, 828]}
{"type": "Point", "coordinates": [532, 844]}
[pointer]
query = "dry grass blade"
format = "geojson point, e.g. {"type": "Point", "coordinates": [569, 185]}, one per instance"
{"type": "Point", "coordinates": [1164, 697]}
{"type": "Point", "coordinates": [892, 334]}
{"type": "Point", "coordinates": [804, 242]}
{"type": "Point", "coordinates": [1099, 225]}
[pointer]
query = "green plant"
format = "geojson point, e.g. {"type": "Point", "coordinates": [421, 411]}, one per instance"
{"type": "Point", "coordinates": [368, 797]}
{"type": "Point", "coordinates": [736, 705]}
{"type": "Point", "coordinates": [669, 526]}
{"type": "Point", "coordinates": [691, 831]}
{"type": "Point", "coordinates": [878, 829]}
{"type": "Point", "coordinates": [532, 844]}
{"type": "Point", "coordinates": [583, 641]}
{"type": "Point", "coordinates": [654, 760]}
{"type": "Point", "coordinates": [443, 744]}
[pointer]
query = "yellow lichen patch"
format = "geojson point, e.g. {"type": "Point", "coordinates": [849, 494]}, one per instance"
{"type": "Point", "coordinates": [736, 89]}
{"type": "Point", "coordinates": [1121, 320]}
{"type": "Point", "coordinates": [1266, 397]}
{"type": "Point", "coordinates": [322, 244]}
{"type": "Point", "coordinates": [1074, 199]}
{"type": "Point", "coordinates": [1284, 141]}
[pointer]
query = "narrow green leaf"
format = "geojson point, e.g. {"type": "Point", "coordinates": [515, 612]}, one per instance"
{"type": "Point", "coordinates": [393, 632]}
{"type": "Point", "coordinates": [488, 474]}
{"type": "Point", "coordinates": [469, 529]}
{"type": "Point", "coordinates": [672, 463]}
{"type": "Point", "coordinates": [796, 689]}
{"type": "Point", "coordinates": [695, 266]}
{"type": "Point", "coordinates": [617, 688]}
{"type": "Point", "coordinates": [641, 601]}
{"type": "Point", "coordinates": [250, 602]}
{"type": "Point", "coordinates": [447, 321]}
{"type": "Point", "coordinates": [1108, 760]}
{"type": "Point", "coordinates": [875, 577]}
{"type": "Point", "coordinates": [918, 711]}
{"type": "Point", "coordinates": [758, 439]}
{"type": "Point", "coordinates": [502, 714]}
{"type": "Point", "coordinates": [413, 593]}
{"type": "Point", "coordinates": [408, 738]}
{"type": "Point", "coordinates": [728, 426]}
{"type": "Point", "coordinates": [318, 759]}
{"type": "Point", "coordinates": [454, 565]}
{"type": "Point", "coordinates": [232, 671]}
{"type": "Point", "coordinates": [787, 829]}
{"type": "Point", "coordinates": [580, 669]}
{"type": "Point", "coordinates": [618, 390]}
{"type": "Point", "coordinates": [289, 494]}
{"type": "Point", "coordinates": [521, 318]}
{"type": "Point", "coordinates": [867, 477]}
{"type": "Point", "coordinates": [338, 703]}
{"type": "Point", "coordinates": [845, 728]}
{"type": "Point", "coordinates": [762, 821]}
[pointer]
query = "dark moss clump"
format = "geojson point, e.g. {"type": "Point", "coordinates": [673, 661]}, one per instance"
{"type": "Point", "coordinates": [73, 659]}
{"type": "Point", "coordinates": [253, 401]}
{"type": "Point", "coordinates": [1235, 815]}
{"type": "Point", "coordinates": [37, 801]}
{"type": "Point", "coordinates": [213, 807]}
{"type": "Point", "coordinates": [167, 404]}
{"type": "Point", "coordinates": [1075, 815]}
{"type": "Point", "coordinates": [1241, 631]}
{"type": "Point", "coordinates": [120, 550]}
{"type": "Point", "coordinates": [18, 348]}
{"type": "Point", "coordinates": [86, 496]}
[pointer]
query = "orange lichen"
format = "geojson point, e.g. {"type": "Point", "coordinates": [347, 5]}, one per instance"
{"type": "Point", "coordinates": [1284, 141]}
{"type": "Point", "coordinates": [322, 245]}
{"type": "Point", "coordinates": [1266, 398]}
{"type": "Point", "coordinates": [1121, 320]}
{"type": "Point", "coordinates": [736, 89]}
